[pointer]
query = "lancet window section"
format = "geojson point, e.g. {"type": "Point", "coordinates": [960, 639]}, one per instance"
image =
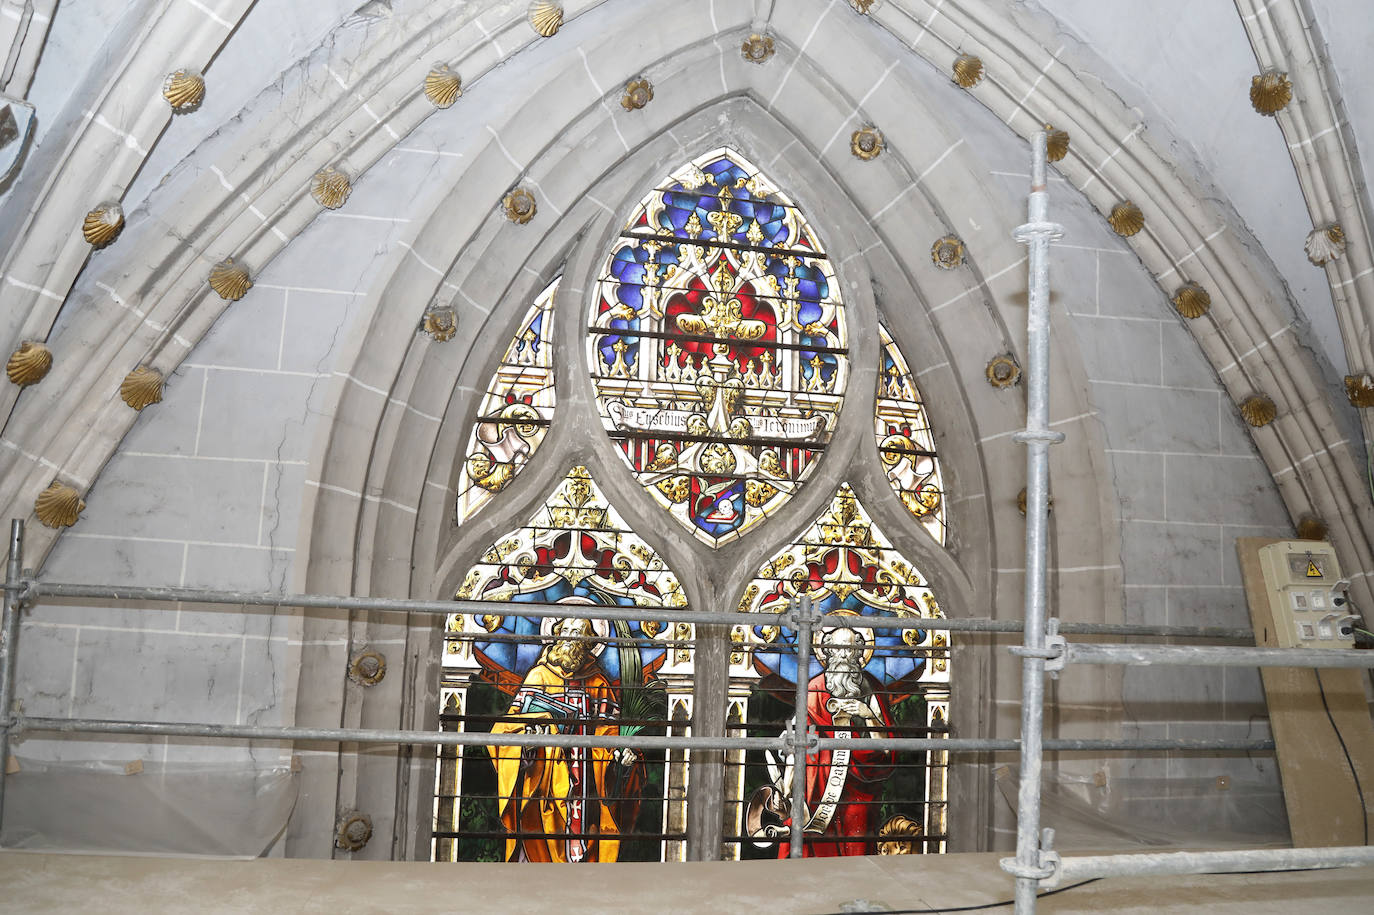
{"type": "Point", "coordinates": [515, 413]}
{"type": "Point", "coordinates": [905, 441]}
{"type": "Point", "coordinates": [718, 346]}
{"type": "Point", "coordinates": [565, 675]}
{"type": "Point", "coordinates": [862, 682]}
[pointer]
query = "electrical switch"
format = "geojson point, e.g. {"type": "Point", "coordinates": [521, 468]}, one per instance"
{"type": "Point", "coordinates": [1307, 596]}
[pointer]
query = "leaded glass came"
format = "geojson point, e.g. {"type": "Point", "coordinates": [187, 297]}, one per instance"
{"type": "Point", "coordinates": [905, 442]}
{"type": "Point", "coordinates": [718, 346]}
{"type": "Point", "coordinates": [861, 682]}
{"type": "Point", "coordinates": [515, 413]}
{"type": "Point", "coordinates": [568, 674]}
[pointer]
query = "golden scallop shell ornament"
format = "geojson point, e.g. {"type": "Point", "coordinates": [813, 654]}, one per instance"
{"type": "Point", "coordinates": [184, 90]}
{"type": "Point", "coordinates": [546, 17]}
{"type": "Point", "coordinates": [1126, 219]}
{"type": "Point", "coordinates": [1311, 527]}
{"type": "Point", "coordinates": [442, 86]}
{"type": "Point", "coordinates": [102, 224]}
{"type": "Point", "coordinates": [1191, 300]}
{"type": "Point", "coordinates": [29, 364]}
{"type": "Point", "coordinates": [330, 187]}
{"type": "Point", "coordinates": [230, 280]}
{"type": "Point", "coordinates": [1270, 92]}
{"type": "Point", "coordinates": [59, 505]}
{"type": "Point", "coordinates": [1359, 390]}
{"type": "Point", "coordinates": [1325, 244]}
{"type": "Point", "coordinates": [1056, 143]}
{"type": "Point", "coordinates": [141, 387]}
{"type": "Point", "coordinates": [1258, 410]}
{"type": "Point", "coordinates": [968, 70]}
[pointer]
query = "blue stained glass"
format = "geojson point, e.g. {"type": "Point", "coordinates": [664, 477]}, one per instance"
{"type": "Point", "coordinates": [702, 358]}
{"type": "Point", "coordinates": [521, 656]}
{"type": "Point", "coordinates": [893, 661]}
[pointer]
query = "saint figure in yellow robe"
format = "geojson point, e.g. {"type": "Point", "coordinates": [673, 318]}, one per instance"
{"type": "Point", "coordinates": [565, 803]}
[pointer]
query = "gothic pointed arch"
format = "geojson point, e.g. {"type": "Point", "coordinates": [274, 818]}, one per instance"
{"type": "Point", "coordinates": [507, 673]}
{"type": "Point", "coordinates": [862, 680]}
{"type": "Point", "coordinates": [718, 346]}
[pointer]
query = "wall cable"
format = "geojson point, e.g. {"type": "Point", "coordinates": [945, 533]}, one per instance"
{"type": "Point", "coordinates": [1359, 790]}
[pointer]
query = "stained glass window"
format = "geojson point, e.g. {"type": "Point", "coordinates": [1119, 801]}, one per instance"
{"type": "Point", "coordinates": [905, 441]}
{"type": "Point", "coordinates": [570, 675]}
{"type": "Point", "coordinates": [718, 346]}
{"type": "Point", "coordinates": [862, 682]}
{"type": "Point", "coordinates": [515, 413]}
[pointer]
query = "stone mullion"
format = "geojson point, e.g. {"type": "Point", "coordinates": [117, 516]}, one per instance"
{"type": "Point", "coordinates": [706, 775]}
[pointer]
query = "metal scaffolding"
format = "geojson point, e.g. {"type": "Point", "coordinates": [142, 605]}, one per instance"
{"type": "Point", "coordinates": [1044, 650]}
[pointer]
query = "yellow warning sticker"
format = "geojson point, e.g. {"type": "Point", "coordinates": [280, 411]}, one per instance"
{"type": "Point", "coordinates": [1312, 570]}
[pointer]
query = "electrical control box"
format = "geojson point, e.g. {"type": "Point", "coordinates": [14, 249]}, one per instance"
{"type": "Point", "coordinates": [1307, 596]}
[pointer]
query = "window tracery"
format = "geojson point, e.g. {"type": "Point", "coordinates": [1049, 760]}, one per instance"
{"type": "Point", "coordinates": [718, 354]}
{"type": "Point", "coordinates": [567, 675]}
{"type": "Point", "coordinates": [862, 682]}
{"type": "Point", "coordinates": [905, 442]}
{"type": "Point", "coordinates": [718, 346]}
{"type": "Point", "coordinates": [514, 414]}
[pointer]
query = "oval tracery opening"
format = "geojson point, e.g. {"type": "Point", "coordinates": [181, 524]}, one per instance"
{"type": "Point", "coordinates": [717, 346]}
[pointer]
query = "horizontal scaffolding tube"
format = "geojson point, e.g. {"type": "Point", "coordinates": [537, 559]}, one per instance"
{"type": "Point", "coordinates": [1214, 656]}
{"type": "Point", "coordinates": [1210, 862]}
{"type": "Point", "coordinates": [956, 744]}
{"type": "Point", "coordinates": [32, 588]}
{"type": "Point", "coordinates": [418, 738]}
{"type": "Point", "coordinates": [643, 741]}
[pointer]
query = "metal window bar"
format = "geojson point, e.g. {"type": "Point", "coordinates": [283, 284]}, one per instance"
{"type": "Point", "coordinates": [1034, 862]}
{"type": "Point", "coordinates": [29, 589]}
{"type": "Point", "coordinates": [19, 588]}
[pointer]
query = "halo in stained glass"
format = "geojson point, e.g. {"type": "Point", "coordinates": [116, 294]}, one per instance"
{"type": "Point", "coordinates": [905, 442]}
{"type": "Point", "coordinates": [718, 346]}
{"type": "Point", "coordinates": [845, 564]}
{"type": "Point", "coordinates": [501, 668]}
{"type": "Point", "coordinates": [575, 549]}
{"type": "Point", "coordinates": [514, 416]}
{"type": "Point", "coordinates": [897, 678]}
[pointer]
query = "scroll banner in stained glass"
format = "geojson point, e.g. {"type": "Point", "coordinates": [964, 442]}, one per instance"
{"type": "Point", "coordinates": [905, 442]}
{"type": "Point", "coordinates": [717, 346]}
{"type": "Point", "coordinates": [861, 682]}
{"type": "Point", "coordinates": [569, 675]}
{"type": "Point", "coordinates": [515, 414]}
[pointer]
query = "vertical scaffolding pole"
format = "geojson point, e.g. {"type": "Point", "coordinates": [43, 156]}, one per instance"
{"type": "Point", "coordinates": [1037, 437]}
{"type": "Point", "coordinates": [9, 642]}
{"type": "Point", "coordinates": [804, 619]}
